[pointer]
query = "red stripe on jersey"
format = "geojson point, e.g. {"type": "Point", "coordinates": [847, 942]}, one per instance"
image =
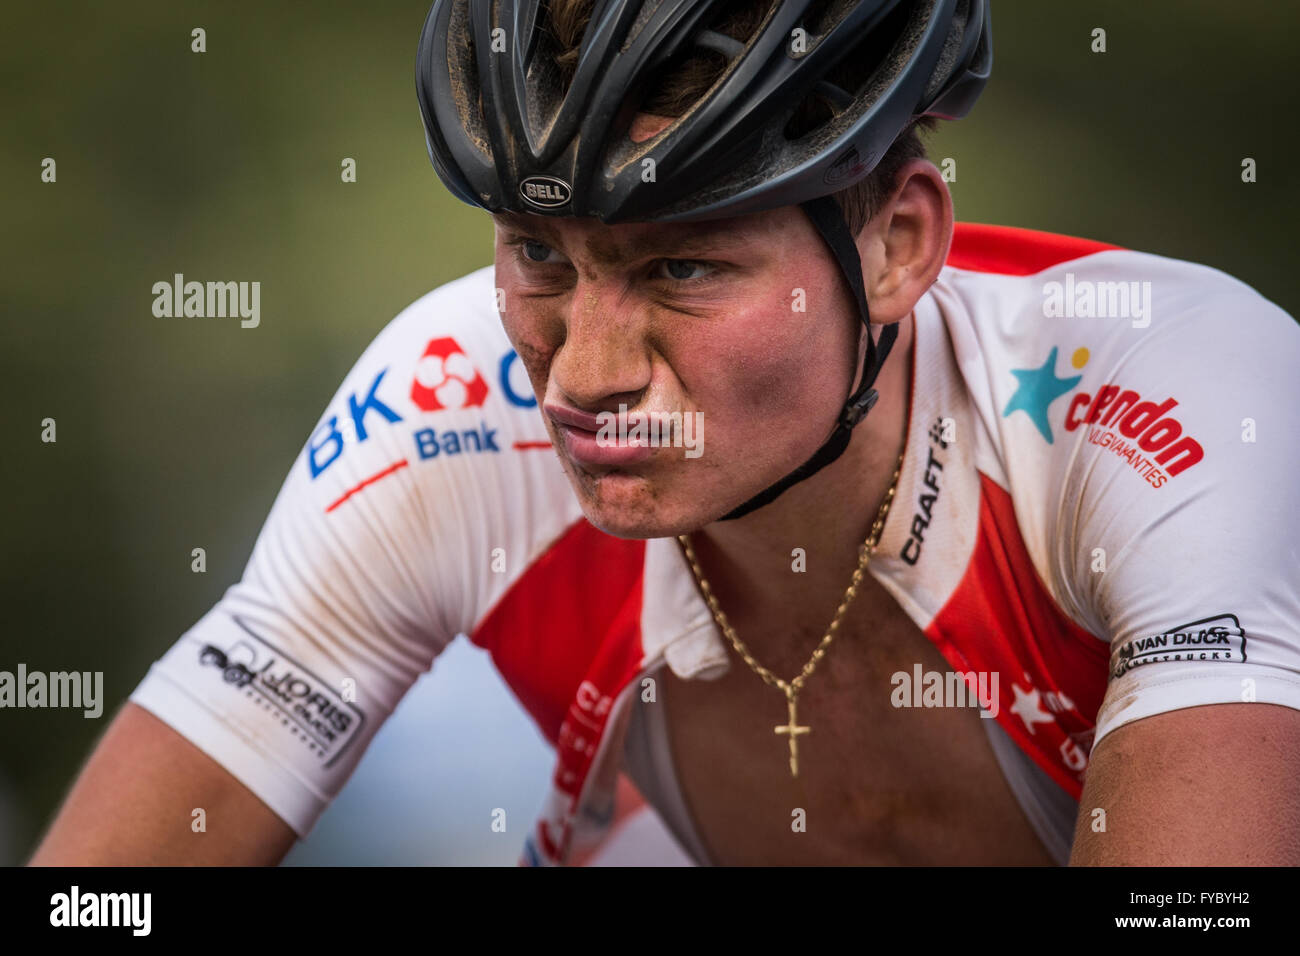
{"type": "Point", "coordinates": [1001, 619]}
{"type": "Point", "coordinates": [367, 483]}
{"type": "Point", "coordinates": [574, 616]}
{"type": "Point", "coordinates": [1016, 252]}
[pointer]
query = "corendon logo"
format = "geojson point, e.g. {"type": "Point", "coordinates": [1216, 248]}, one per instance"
{"type": "Point", "coordinates": [445, 379]}
{"type": "Point", "coordinates": [1120, 420]}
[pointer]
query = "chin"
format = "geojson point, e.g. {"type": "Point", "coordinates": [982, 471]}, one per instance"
{"type": "Point", "coordinates": [628, 505]}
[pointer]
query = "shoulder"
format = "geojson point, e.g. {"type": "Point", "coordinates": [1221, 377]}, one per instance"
{"type": "Point", "coordinates": [421, 497]}
{"type": "Point", "coordinates": [1020, 287]}
{"type": "Point", "coordinates": [439, 371]}
{"type": "Point", "coordinates": [1136, 411]}
{"type": "Point", "coordinates": [464, 308]}
{"type": "Point", "coordinates": [1130, 404]}
{"type": "Point", "coordinates": [1053, 333]}
{"type": "Point", "coordinates": [1137, 408]}
{"type": "Point", "coordinates": [432, 451]}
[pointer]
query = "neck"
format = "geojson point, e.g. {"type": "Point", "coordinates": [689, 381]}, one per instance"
{"type": "Point", "coordinates": [749, 561]}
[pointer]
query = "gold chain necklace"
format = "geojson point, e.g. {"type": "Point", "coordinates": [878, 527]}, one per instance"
{"type": "Point", "coordinates": [791, 688]}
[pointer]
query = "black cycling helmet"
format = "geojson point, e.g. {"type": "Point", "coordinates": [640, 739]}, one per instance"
{"type": "Point", "coordinates": [506, 130]}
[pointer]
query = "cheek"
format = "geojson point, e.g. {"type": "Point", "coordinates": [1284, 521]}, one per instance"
{"type": "Point", "coordinates": [776, 364]}
{"type": "Point", "coordinates": [526, 323]}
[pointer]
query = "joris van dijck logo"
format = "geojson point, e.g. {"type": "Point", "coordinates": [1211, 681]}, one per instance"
{"type": "Point", "coordinates": [308, 707]}
{"type": "Point", "coordinates": [1133, 427]}
{"type": "Point", "coordinates": [1219, 638]}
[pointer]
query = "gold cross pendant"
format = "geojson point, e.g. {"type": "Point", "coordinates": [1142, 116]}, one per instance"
{"type": "Point", "coordinates": [794, 730]}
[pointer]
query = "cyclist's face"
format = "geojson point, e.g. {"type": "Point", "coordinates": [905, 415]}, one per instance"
{"type": "Point", "coordinates": [742, 324]}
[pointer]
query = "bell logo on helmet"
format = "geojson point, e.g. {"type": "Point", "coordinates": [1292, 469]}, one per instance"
{"type": "Point", "coordinates": [546, 192]}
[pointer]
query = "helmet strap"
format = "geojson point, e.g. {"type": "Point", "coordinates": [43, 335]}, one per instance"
{"type": "Point", "coordinates": [828, 219]}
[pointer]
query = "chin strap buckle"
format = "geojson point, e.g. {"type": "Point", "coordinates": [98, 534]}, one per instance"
{"type": "Point", "coordinates": [857, 409]}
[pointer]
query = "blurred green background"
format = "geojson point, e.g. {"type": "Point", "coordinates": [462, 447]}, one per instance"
{"type": "Point", "coordinates": [175, 434]}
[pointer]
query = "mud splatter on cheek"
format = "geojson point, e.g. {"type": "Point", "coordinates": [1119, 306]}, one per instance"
{"type": "Point", "coordinates": [536, 359]}
{"type": "Point", "coordinates": [524, 326]}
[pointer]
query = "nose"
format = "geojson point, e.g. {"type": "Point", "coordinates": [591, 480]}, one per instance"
{"type": "Point", "coordinates": [604, 359]}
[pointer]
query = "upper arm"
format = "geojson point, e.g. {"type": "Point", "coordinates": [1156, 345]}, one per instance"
{"type": "Point", "coordinates": [138, 800]}
{"type": "Point", "coordinates": [1206, 786]}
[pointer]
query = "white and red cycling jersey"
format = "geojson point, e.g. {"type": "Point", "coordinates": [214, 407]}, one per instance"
{"type": "Point", "coordinates": [1097, 503]}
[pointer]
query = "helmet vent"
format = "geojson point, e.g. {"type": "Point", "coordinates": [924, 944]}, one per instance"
{"type": "Point", "coordinates": [545, 81]}
{"type": "Point", "coordinates": [675, 88]}
{"type": "Point", "coordinates": [462, 74]}
{"type": "Point", "coordinates": [823, 15]}
{"type": "Point", "coordinates": [853, 75]}
{"type": "Point", "coordinates": [951, 49]}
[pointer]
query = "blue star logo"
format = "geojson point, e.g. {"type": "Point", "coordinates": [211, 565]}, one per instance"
{"type": "Point", "coordinates": [1038, 388]}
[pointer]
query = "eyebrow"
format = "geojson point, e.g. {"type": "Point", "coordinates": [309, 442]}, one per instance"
{"type": "Point", "coordinates": [684, 240]}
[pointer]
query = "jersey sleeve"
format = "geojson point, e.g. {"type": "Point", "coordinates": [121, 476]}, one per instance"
{"type": "Point", "coordinates": [375, 554]}
{"type": "Point", "coordinates": [1178, 500]}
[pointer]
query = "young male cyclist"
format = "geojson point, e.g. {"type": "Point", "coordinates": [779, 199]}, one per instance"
{"type": "Point", "coordinates": [1053, 468]}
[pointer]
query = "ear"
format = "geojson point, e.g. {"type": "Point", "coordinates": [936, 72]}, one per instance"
{"type": "Point", "coordinates": [905, 244]}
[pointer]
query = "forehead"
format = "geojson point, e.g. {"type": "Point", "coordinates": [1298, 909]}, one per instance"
{"type": "Point", "coordinates": [635, 240]}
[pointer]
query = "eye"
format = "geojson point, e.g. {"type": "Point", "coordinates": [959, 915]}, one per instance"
{"type": "Point", "coordinates": [534, 251]}
{"type": "Point", "coordinates": [684, 270]}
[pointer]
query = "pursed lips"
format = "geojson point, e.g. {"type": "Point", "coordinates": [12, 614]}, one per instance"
{"type": "Point", "coordinates": [578, 431]}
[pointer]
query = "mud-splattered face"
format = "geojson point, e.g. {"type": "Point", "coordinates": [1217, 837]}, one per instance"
{"type": "Point", "coordinates": [740, 326]}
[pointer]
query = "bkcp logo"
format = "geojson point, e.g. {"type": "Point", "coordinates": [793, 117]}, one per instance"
{"type": "Point", "coordinates": [446, 379]}
{"type": "Point", "coordinates": [545, 191]}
